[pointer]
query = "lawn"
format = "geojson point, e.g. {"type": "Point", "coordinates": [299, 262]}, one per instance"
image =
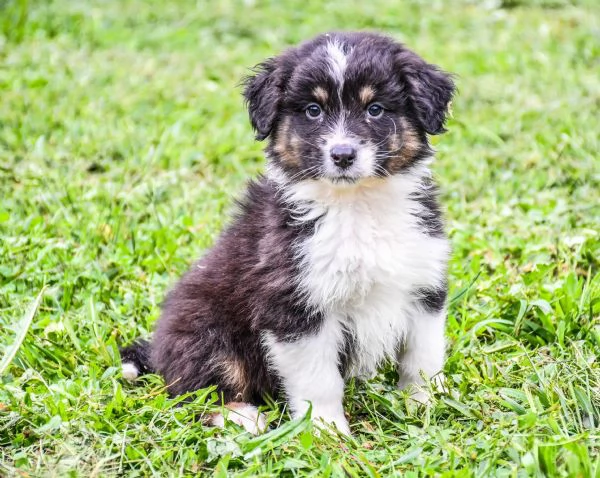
{"type": "Point", "coordinates": [123, 143]}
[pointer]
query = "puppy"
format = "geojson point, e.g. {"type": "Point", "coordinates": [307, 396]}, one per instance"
{"type": "Point", "coordinates": [336, 260]}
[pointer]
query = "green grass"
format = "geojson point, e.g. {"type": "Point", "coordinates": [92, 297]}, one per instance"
{"type": "Point", "coordinates": [123, 140]}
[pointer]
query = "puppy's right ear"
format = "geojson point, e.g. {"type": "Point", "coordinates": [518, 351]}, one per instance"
{"type": "Point", "coordinates": [262, 92]}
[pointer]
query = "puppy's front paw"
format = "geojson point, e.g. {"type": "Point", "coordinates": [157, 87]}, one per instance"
{"type": "Point", "coordinates": [419, 391]}
{"type": "Point", "coordinates": [420, 396]}
{"type": "Point", "coordinates": [335, 422]}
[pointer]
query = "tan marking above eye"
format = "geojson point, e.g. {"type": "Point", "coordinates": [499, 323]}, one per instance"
{"type": "Point", "coordinates": [321, 94]}
{"type": "Point", "coordinates": [366, 94]}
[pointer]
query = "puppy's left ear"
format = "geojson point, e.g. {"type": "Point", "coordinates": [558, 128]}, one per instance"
{"type": "Point", "coordinates": [430, 90]}
{"type": "Point", "coordinates": [262, 92]}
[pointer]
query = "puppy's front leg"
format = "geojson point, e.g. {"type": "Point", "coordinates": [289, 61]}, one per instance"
{"type": "Point", "coordinates": [423, 352]}
{"type": "Point", "coordinates": [308, 368]}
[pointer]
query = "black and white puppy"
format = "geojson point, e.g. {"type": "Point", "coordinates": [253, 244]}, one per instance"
{"type": "Point", "coordinates": [337, 258]}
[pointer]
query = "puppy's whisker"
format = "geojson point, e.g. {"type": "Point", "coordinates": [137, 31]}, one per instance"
{"type": "Point", "coordinates": [391, 153]}
{"type": "Point", "coordinates": [395, 128]}
{"type": "Point", "coordinates": [310, 143]}
{"type": "Point", "coordinates": [381, 172]}
{"type": "Point", "coordinates": [305, 173]}
{"type": "Point", "coordinates": [388, 136]}
{"type": "Point", "coordinates": [379, 143]}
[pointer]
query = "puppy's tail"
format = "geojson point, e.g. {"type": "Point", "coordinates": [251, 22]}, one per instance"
{"type": "Point", "coordinates": [135, 360]}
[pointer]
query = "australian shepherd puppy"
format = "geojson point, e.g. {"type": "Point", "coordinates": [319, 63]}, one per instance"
{"type": "Point", "coordinates": [336, 260]}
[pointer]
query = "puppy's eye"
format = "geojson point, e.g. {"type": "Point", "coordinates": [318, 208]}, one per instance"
{"type": "Point", "coordinates": [375, 110]}
{"type": "Point", "coordinates": [313, 111]}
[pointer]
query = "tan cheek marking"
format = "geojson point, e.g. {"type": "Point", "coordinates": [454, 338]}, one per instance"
{"type": "Point", "coordinates": [395, 143]}
{"type": "Point", "coordinates": [321, 94]}
{"type": "Point", "coordinates": [403, 147]}
{"type": "Point", "coordinates": [286, 147]}
{"type": "Point", "coordinates": [410, 138]}
{"type": "Point", "coordinates": [290, 155]}
{"type": "Point", "coordinates": [282, 136]}
{"type": "Point", "coordinates": [366, 94]}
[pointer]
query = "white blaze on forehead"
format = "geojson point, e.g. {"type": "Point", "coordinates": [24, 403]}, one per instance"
{"type": "Point", "coordinates": [338, 61]}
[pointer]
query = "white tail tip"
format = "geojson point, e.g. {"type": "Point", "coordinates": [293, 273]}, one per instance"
{"type": "Point", "coordinates": [130, 371]}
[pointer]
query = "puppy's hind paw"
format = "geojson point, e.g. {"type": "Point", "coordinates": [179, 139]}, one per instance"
{"type": "Point", "coordinates": [243, 414]}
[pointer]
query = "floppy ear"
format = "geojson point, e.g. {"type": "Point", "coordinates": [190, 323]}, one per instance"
{"type": "Point", "coordinates": [262, 92]}
{"type": "Point", "coordinates": [430, 90]}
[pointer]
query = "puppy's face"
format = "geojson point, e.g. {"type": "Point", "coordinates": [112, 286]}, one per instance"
{"type": "Point", "coordinates": [347, 106]}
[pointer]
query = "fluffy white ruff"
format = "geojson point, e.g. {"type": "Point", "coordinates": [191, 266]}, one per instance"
{"type": "Point", "coordinates": [367, 257]}
{"type": "Point", "coordinates": [360, 269]}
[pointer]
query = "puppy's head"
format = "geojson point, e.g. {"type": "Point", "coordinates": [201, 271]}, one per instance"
{"type": "Point", "coordinates": [347, 106]}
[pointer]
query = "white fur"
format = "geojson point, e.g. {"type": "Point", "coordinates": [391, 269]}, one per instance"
{"type": "Point", "coordinates": [309, 371]}
{"type": "Point", "coordinates": [246, 416]}
{"type": "Point", "coordinates": [361, 267]}
{"type": "Point", "coordinates": [129, 371]}
{"type": "Point", "coordinates": [338, 62]}
{"type": "Point", "coordinates": [423, 353]}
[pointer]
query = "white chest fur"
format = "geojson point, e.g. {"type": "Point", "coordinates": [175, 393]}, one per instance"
{"type": "Point", "coordinates": [365, 260]}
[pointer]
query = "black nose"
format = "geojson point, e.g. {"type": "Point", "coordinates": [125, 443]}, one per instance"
{"type": "Point", "coordinates": [343, 155]}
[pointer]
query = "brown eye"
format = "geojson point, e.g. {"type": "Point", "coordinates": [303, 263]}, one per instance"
{"type": "Point", "coordinates": [313, 111]}
{"type": "Point", "coordinates": [375, 110]}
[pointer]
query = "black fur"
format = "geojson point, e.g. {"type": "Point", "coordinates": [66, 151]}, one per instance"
{"type": "Point", "coordinates": [213, 318]}
{"type": "Point", "coordinates": [138, 354]}
{"type": "Point", "coordinates": [210, 330]}
{"type": "Point", "coordinates": [263, 93]}
{"type": "Point", "coordinates": [430, 91]}
{"type": "Point", "coordinates": [346, 353]}
{"type": "Point", "coordinates": [430, 217]}
{"type": "Point", "coordinates": [433, 299]}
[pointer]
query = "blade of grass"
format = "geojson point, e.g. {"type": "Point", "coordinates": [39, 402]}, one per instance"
{"type": "Point", "coordinates": [22, 329]}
